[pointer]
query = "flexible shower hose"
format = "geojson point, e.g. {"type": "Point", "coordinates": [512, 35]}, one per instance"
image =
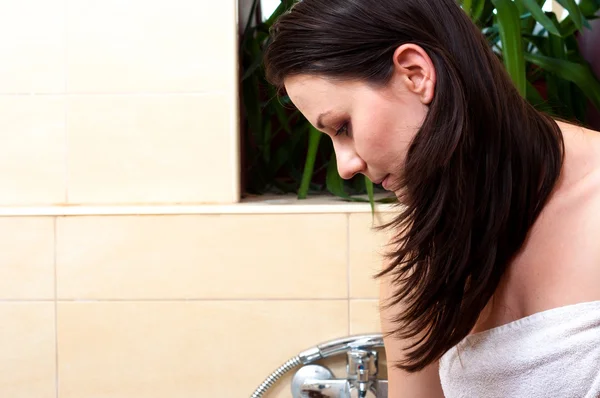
{"type": "Point", "coordinates": [321, 351]}
{"type": "Point", "coordinates": [276, 375]}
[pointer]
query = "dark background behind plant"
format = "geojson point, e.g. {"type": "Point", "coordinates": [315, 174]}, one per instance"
{"type": "Point", "coordinates": [282, 153]}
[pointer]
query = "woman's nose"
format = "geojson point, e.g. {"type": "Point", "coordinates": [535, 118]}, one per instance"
{"type": "Point", "coordinates": [349, 163]}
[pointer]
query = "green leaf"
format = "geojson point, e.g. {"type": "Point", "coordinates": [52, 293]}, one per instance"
{"type": "Point", "coordinates": [579, 104]}
{"type": "Point", "coordinates": [589, 7]}
{"type": "Point", "coordinates": [535, 99]}
{"type": "Point", "coordinates": [574, 13]}
{"type": "Point", "coordinates": [536, 11]}
{"type": "Point", "coordinates": [284, 6]}
{"type": "Point", "coordinates": [539, 42]}
{"type": "Point", "coordinates": [252, 107]}
{"type": "Point", "coordinates": [256, 63]}
{"type": "Point", "coordinates": [509, 24]}
{"type": "Point", "coordinates": [567, 27]}
{"type": "Point", "coordinates": [579, 74]}
{"type": "Point", "coordinates": [559, 89]}
{"type": "Point", "coordinates": [314, 136]}
{"type": "Point", "coordinates": [266, 144]}
{"type": "Point", "coordinates": [478, 6]}
{"type": "Point", "coordinates": [248, 25]}
{"type": "Point", "coordinates": [280, 158]}
{"type": "Point", "coordinates": [357, 183]}
{"type": "Point", "coordinates": [573, 53]}
{"type": "Point", "coordinates": [467, 5]}
{"type": "Point", "coordinates": [279, 111]}
{"type": "Point", "coordinates": [487, 13]}
{"type": "Point", "coordinates": [520, 7]}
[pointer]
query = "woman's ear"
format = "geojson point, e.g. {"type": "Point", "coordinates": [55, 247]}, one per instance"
{"type": "Point", "coordinates": [416, 70]}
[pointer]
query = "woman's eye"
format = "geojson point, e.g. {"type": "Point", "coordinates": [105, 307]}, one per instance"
{"type": "Point", "coordinates": [342, 130]}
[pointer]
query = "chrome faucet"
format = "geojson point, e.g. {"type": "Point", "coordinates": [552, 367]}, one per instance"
{"type": "Point", "coordinates": [316, 381]}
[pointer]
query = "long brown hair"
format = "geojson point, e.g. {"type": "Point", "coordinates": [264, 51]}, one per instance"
{"type": "Point", "coordinates": [477, 174]}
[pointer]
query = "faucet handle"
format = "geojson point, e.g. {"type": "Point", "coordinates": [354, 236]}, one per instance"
{"type": "Point", "coordinates": [316, 381]}
{"type": "Point", "coordinates": [362, 365]}
{"type": "Point", "coordinates": [334, 388]}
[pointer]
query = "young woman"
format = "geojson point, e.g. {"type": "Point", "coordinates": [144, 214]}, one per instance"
{"type": "Point", "coordinates": [491, 288]}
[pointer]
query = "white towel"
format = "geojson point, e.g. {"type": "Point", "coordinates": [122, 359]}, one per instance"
{"type": "Point", "coordinates": [555, 353]}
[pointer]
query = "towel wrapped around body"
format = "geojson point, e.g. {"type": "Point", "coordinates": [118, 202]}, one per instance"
{"type": "Point", "coordinates": [554, 353]}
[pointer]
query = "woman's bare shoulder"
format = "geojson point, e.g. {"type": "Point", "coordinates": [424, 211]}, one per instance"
{"type": "Point", "coordinates": [560, 261]}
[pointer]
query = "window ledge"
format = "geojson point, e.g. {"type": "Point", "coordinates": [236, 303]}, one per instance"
{"type": "Point", "coordinates": [267, 204]}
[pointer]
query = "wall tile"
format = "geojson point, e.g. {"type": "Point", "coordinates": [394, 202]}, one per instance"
{"type": "Point", "coordinates": [32, 155]}
{"type": "Point", "coordinates": [32, 46]}
{"type": "Point", "coordinates": [186, 349]}
{"type": "Point", "coordinates": [27, 343]}
{"type": "Point", "coordinates": [211, 256]}
{"type": "Point", "coordinates": [364, 316]}
{"type": "Point", "coordinates": [156, 46]}
{"type": "Point", "coordinates": [26, 258]}
{"type": "Point", "coordinates": [151, 150]}
{"type": "Point", "coordinates": [366, 249]}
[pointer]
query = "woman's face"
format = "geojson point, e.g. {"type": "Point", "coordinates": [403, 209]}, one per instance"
{"type": "Point", "coordinates": [371, 128]}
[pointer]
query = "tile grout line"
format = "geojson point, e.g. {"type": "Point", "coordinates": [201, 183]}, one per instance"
{"type": "Point", "coordinates": [66, 105]}
{"type": "Point", "coordinates": [167, 300]}
{"type": "Point", "coordinates": [55, 309]}
{"type": "Point", "coordinates": [65, 181]}
{"type": "Point", "coordinates": [30, 300]}
{"type": "Point", "coordinates": [348, 268]}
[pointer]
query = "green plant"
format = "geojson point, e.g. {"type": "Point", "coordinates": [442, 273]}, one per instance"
{"type": "Point", "coordinates": [540, 53]}
{"type": "Point", "coordinates": [283, 153]}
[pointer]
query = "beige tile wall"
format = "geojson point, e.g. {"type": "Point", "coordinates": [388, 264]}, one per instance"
{"type": "Point", "coordinates": [176, 306]}
{"type": "Point", "coordinates": [28, 345]}
{"type": "Point", "coordinates": [112, 102]}
{"type": "Point", "coordinates": [105, 102]}
{"type": "Point", "coordinates": [208, 257]}
{"type": "Point", "coordinates": [33, 150]}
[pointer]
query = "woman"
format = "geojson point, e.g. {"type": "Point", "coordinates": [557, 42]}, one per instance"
{"type": "Point", "coordinates": [491, 289]}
